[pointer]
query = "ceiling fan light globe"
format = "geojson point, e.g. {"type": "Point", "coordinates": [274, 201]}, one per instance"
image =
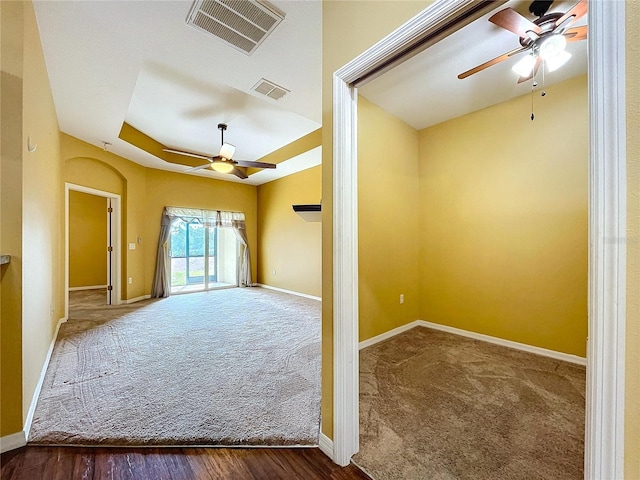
{"type": "Point", "coordinates": [227, 150]}
{"type": "Point", "coordinates": [554, 63]}
{"type": "Point", "coordinates": [552, 46]}
{"type": "Point", "coordinates": [524, 65]}
{"type": "Point", "coordinates": [222, 166]}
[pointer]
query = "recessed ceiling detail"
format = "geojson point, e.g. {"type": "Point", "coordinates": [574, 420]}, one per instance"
{"type": "Point", "coordinates": [270, 89]}
{"type": "Point", "coordinates": [241, 24]}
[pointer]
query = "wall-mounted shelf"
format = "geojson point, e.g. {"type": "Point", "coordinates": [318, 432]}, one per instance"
{"type": "Point", "coordinates": [310, 212]}
{"type": "Point", "coordinates": [4, 259]}
{"type": "Point", "coordinates": [312, 207]}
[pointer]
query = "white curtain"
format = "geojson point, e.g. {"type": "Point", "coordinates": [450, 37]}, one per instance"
{"type": "Point", "coordinates": [244, 269]}
{"type": "Point", "coordinates": [209, 218]}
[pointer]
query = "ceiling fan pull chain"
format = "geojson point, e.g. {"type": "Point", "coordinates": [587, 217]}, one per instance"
{"type": "Point", "coordinates": [533, 85]}
{"type": "Point", "coordinates": [543, 69]}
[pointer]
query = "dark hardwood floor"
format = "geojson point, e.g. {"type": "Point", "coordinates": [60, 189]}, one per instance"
{"type": "Point", "coordinates": [86, 463]}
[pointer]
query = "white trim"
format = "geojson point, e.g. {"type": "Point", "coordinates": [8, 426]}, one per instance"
{"type": "Point", "coordinates": [290, 292]}
{"type": "Point", "coordinates": [386, 335]}
{"type": "Point", "coordinates": [325, 444]}
{"type": "Point", "coordinates": [13, 441]}
{"type": "Point", "coordinates": [545, 352]}
{"type": "Point", "coordinates": [136, 299]}
{"type": "Point", "coordinates": [91, 287]}
{"type": "Point", "coordinates": [43, 372]}
{"type": "Point", "coordinates": [566, 357]}
{"type": "Point", "coordinates": [345, 273]}
{"type": "Point", "coordinates": [604, 439]}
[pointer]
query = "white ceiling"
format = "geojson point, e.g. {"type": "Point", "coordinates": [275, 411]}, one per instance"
{"type": "Point", "coordinates": [425, 90]}
{"type": "Point", "coordinates": [137, 61]}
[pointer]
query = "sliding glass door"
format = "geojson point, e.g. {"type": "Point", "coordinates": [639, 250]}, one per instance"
{"type": "Point", "coordinates": [198, 253]}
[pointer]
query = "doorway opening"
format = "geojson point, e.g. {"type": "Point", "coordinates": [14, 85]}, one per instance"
{"type": "Point", "coordinates": [604, 440]}
{"type": "Point", "coordinates": [92, 243]}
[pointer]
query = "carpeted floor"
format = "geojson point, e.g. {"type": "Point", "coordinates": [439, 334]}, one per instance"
{"type": "Point", "coordinates": [439, 406]}
{"type": "Point", "coordinates": [226, 367]}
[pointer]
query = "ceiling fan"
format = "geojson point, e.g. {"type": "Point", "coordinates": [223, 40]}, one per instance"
{"type": "Point", "coordinates": [222, 162]}
{"type": "Point", "coordinates": [544, 38]}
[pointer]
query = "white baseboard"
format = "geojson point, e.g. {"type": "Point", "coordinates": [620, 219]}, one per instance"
{"type": "Point", "coordinates": [136, 299]}
{"type": "Point", "coordinates": [326, 445]}
{"type": "Point", "coordinates": [91, 287]}
{"type": "Point", "coordinates": [506, 343]}
{"type": "Point", "coordinates": [389, 334]}
{"type": "Point", "coordinates": [43, 372]}
{"type": "Point", "coordinates": [291, 292]}
{"type": "Point", "coordinates": [476, 336]}
{"type": "Point", "coordinates": [13, 441]}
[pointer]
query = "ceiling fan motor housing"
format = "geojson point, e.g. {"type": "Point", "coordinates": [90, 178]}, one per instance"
{"type": "Point", "coordinates": [547, 24]}
{"type": "Point", "coordinates": [540, 7]}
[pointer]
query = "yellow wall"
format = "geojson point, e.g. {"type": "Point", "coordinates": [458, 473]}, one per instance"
{"type": "Point", "coordinates": [190, 191]}
{"type": "Point", "coordinates": [632, 408]}
{"type": "Point", "coordinates": [387, 220]}
{"type": "Point", "coordinates": [43, 225]}
{"type": "Point", "coordinates": [144, 193]}
{"type": "Point", "coordinates": [11, 63]}
{"type": "Point", "coordinates": [89, 166]}
{"type": "Point", "coordinates": [289, 245]}
{"type": "Point", "coordinates": [348, 29]}
{"type": "Point", "coordinates": [31, 214]}
{"type": "Point", "coordinates": [87, 239]}
{"type": "Point", "coordinates": [503, 204]}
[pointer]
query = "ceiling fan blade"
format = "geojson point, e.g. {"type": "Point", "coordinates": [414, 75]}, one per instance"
{"type": "Point", "coordinates": [489, 63]}
{"type": "Point", "coordinates": [199, 167]}
{"type": "Point", "coordinates": [578, 11]}
{"type": "Point", "coordinates": [244, 163]}
{"type": "Point", "coordinates": [239, 173]}
{"type": "Point", "coordinates": [187, 154]}
{"type": "Point", "coordinates": [576, 34]}
{"type": "Point", "coordinates": [511, 20]}
{"type": "Point", "coordinates": [534, 70]}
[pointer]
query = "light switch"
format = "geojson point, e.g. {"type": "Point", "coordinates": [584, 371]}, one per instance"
{"type": "Point", "coordinates": [132, 246]}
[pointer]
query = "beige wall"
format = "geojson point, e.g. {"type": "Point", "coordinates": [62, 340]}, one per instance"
{"type": "Point", "coordinates": [87, 239]}
{"type": "Point", "coordinates": [632, 423]}
{"type": "Point", "coordinates": [503, 206]}
{"type": "Point", "coordinates": [11, 94]}
{"type": "Point", "coordinates": [387, 220]}
{"type": "Point", "coordinates": [289, 245]}
{"type": "Point", "coordinates": [348, 29]}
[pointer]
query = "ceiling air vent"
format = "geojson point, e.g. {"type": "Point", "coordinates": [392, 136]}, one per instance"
{"type": "Point", "coordinates": [270, 89]}
{"type": "Point", "coordinates": [242, 24]}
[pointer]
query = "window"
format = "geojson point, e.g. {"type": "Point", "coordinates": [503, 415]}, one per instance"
{"type": "Point", "coordinates": [202, 257]}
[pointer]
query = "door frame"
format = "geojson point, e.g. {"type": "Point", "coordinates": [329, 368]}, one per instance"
{"type": "Point", "coordinates": [116, 229]}
{"type": "Point", "coordinates": [604, 432]}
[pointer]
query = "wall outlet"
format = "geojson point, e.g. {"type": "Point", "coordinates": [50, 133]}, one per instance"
{"type": "Point", "coordinates": [274, 273]}
{"type": "Point", "coordinates": [130, 280]}
{"type": "Point", "coordinates": [132, 246]}
{"type": "Point", "coordinates": [402, 298]}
